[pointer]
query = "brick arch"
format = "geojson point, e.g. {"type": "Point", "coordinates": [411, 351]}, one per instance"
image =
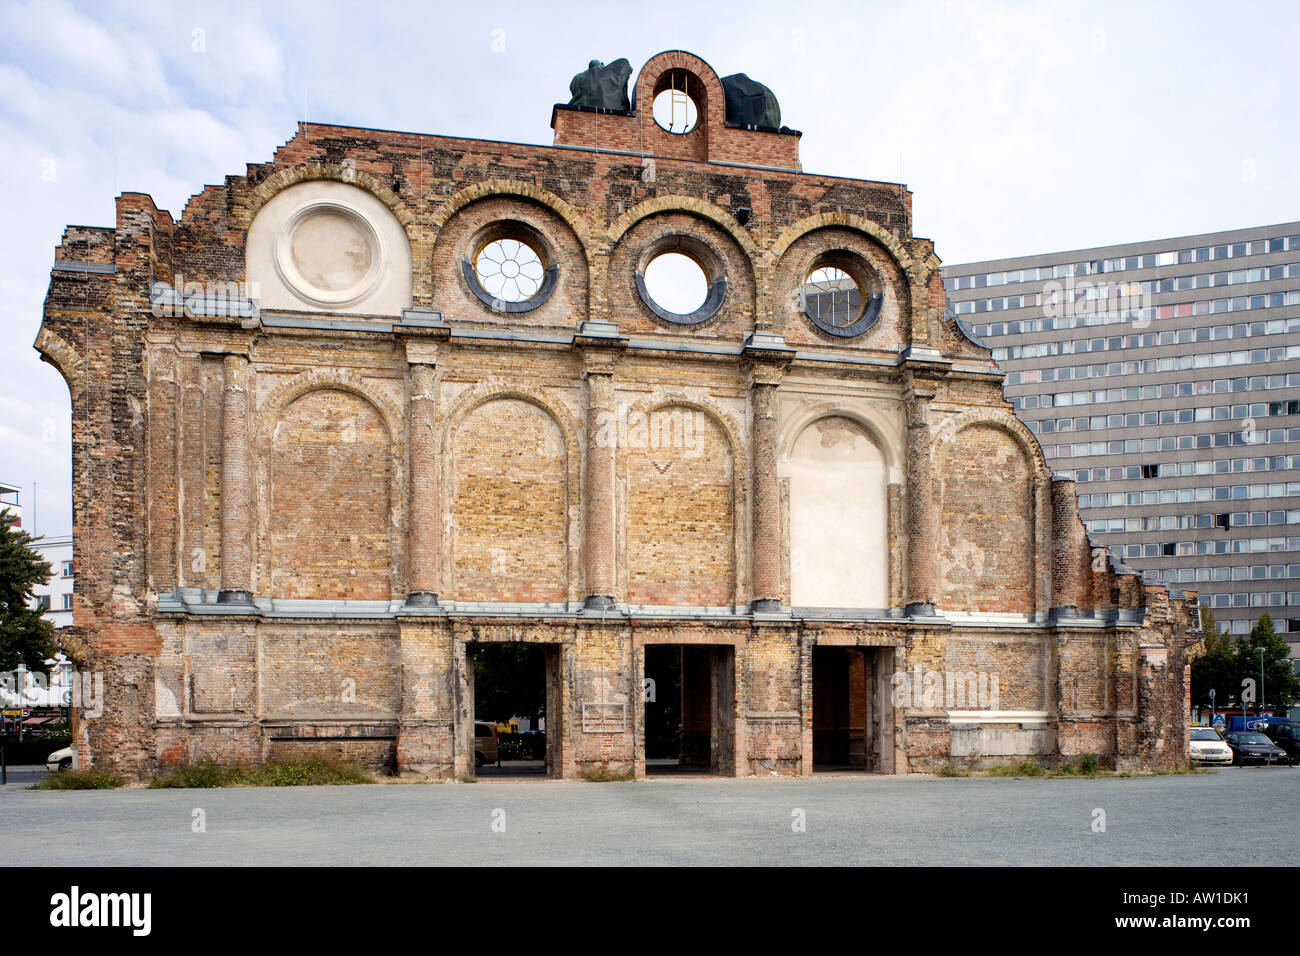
{"type": "Point", "coordinates": [289, 391]}
{"type": "Point", "coordinates": [950, 428]}
{"type": "Point", "coordinates": [452, 585]}
{"type": "Point", "coordinates": [739, 478]}
{"type": "Point", "coordinates": [63, 355]}
{"type": "Point", "coordinates": [278, 182]}
{"type": "Point", "coordinates": [848, 220]}
{"type": "Point", "coordinates": [478, 395]}
{"type": "Point", "coordinates": [507, 188]}
{"type": "Point", "coordinates": [731, 428]}
{"type": "Point", "coordinates": [269, 413]}
{"type": "Point", "coordinates": [715, 110]}
{"type": "Point", "coordinates": [687, 204]}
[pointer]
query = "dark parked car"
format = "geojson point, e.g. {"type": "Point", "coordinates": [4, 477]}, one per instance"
{"type": "Point", "coordinates": [1287, 736]}
{"type": "Point", "coordinates": [1249, 746]}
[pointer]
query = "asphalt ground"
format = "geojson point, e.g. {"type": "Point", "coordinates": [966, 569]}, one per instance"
{"type": "Point", "coordinates": [1226, 817]}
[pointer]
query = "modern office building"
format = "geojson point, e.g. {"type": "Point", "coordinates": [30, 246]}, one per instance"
{"type": "Point", "coordinates": [11, 503]}
{"type": "Point", "coordinates": [1164, 377]}
{"type": "Point", "coordinates": [55, 596]}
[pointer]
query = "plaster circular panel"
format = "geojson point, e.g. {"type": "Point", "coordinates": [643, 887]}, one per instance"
{"type": "Point", "coordinates": [329, 254]}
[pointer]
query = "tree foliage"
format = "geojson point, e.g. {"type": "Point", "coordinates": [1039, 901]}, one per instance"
{"type": "Point", "coordinates": [1227, 663]}
{"type": "Point", "coordinates": [25, 636]}
{"type": "Point", "coordinates": [1216, 669]}
{"type": "Point", "coordinates": [509, 681]}
{"type": "Point", "coordinates": [1280, 682]}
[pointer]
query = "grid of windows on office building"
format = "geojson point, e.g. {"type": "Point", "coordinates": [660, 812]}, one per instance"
{"type": "Point", "coordinates": [1163, 376]}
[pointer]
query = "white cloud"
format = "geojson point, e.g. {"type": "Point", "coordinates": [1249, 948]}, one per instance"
{"type": "Point", "coordinates": [58, 35]}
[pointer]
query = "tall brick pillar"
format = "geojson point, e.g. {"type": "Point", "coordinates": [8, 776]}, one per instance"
{"type": "Point", "coordinates": [764, 360]}
{"type": "Point", "coordinates": [1066, 577]}
{"type": "Point", "coordinates": [236, 487]}
{"type": "Point", "coordinates": [1042, 554]}
{"type": "Point", "coordinates": [765, 544]}
{"type": "Point", "coordinates": [922, 519]}
{"type": "Point", "coordinates": [598, 488]}
{"type": "Point", "coordinates": [424, 530]}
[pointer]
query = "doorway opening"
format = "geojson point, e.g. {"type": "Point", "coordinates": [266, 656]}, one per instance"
{"type": "Point", "coordinates": [845, 712]}
{"type": "Point", "coordinates": [514, 703]}
{"type": "Point", "coordinates": [689, 723]}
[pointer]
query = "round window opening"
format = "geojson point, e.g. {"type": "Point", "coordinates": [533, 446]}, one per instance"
{"type": "Point", "coordinates": [840, 301]}
{"type": "Point", "coordinates": [831, 297]}
{"type": "Point", "coordinates": [676, 283]}
{"type": "Point", "coordinates": [509, 270]}
{"type": "Point", "coordinates": [675, 108]}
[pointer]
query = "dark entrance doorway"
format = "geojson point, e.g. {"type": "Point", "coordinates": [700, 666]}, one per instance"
{"type": "Point", "coordinates": [844, 718]}
{"type": "Point", "coordinates": [689, 709]}
{"type": "Point", "coordinates": [514, 702]}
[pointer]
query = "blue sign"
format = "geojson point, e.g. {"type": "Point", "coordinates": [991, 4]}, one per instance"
{"type": "Point", "coordinates": [1218, 722]}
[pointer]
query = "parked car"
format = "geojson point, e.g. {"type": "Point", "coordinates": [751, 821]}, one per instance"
{"type": "Point", "coordinates": [1287, 736]}
{"type": "Point", "coordinates": [1252, 747]}
{"type": "Point", "coordinates": [1208, 747]}
{"type": "Point", "coordinates": [485, 743]}
{"type": "Point", "coordinates": [59, 761]}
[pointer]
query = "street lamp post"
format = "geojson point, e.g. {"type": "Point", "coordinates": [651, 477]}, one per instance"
{"type": "Point", "coordinates": [20, 672]}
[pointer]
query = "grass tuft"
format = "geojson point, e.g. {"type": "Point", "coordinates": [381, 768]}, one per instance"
{"type": "Point", "coordinates": [89, 779]}
{"type": "Point", "coordinates": [191, 776]}
{"type": "Point", "coordinates": [1086, 765]}
{"type": "Point", "coordinates": [1019, 768]}
{"type": "Point", "coordinates": [317, 772]}
{"type": "Point", "coordinates": [950, 769]}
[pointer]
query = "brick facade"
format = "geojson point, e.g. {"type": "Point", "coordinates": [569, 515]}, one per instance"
{"type": "Point", "coordinates": [294, 525]}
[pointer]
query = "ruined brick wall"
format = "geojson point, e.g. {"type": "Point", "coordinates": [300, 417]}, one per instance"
{"type": "Point", "coordinates": [987, 554]}
{"type": "Point", "coordinates": [509, 497]}
{"type": "Point", "coordinates": [294, 524]}
{"type": "Point", "coordinates": [680, 521]}
{"type": "Point", "coordinates": [330, 498]}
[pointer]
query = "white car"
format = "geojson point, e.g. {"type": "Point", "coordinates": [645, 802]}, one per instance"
{"type": "Point", "coordinates": [1208, 747]}
{"type": "Point", "coordinates": [60, 760]}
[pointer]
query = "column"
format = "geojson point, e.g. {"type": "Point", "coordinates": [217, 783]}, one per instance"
{"type": "Point", "coordinates": [1066, 555]}
{"type": "Point", "coordinates": [598, 487]}
{"type": "Point", "coordinates": [922, 522]}
{"type": "Point", "coordinates": [236, 487]}
{"type": "Point", "coordinates": [765, 543]}
{"type": "Point", "coordinates": [424, 530]}
{"type": "Point", "coordinates": [1041, 559]}
{"type": "Point", "coordinates": [191, 561]}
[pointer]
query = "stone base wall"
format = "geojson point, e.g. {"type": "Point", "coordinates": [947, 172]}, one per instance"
{"type": "Point", "coordinates": [748, 696]}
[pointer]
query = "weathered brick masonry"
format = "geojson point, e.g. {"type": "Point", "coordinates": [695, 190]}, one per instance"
{"type": "Point", "coordinates": [295, 522]}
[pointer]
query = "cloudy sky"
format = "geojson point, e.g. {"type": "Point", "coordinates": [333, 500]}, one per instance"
{"type": "Point", "coordinates": [1020, 127]}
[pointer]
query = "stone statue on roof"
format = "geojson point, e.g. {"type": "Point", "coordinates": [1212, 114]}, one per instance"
{"type": "Point", "coordinates": [750, 103]}
{"type": "Point", "coordinates": [602, 87]}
